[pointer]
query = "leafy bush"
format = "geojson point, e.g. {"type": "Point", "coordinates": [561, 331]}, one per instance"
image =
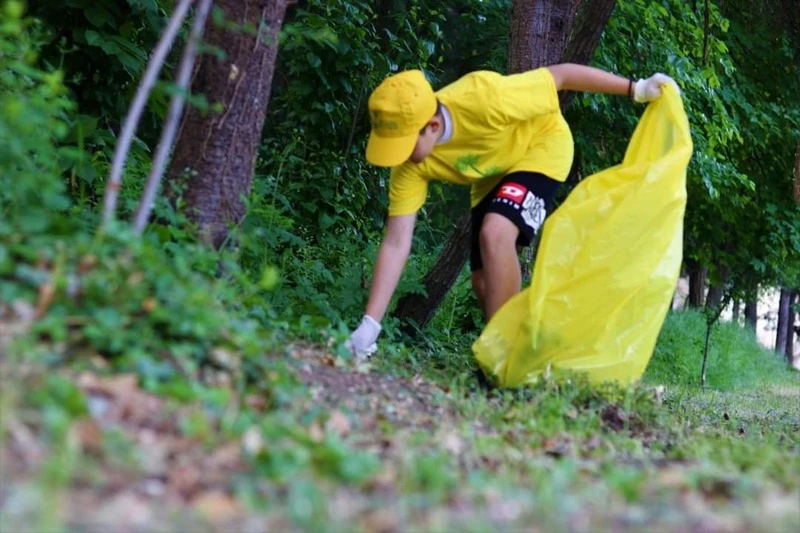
{"type": "Point", "coordinates": [33, 110]}
{"type": "Point", "coordinates": [162, 305]}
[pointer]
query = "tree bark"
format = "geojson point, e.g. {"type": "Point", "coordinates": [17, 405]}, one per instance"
{"type": "Point", "coordinates": [697, 285]}
{"type": "Point", "coordinates": [539, 34]}
{"type": "Point", "coordinates": [792, 331]}
{"type": "Point", "coordinates": [586, 34]}
{"type": "Point", "coordinates": [751, 315]}
{"type": "Point", "coordinates": [540, 30]}
{"type": "Point", "coordinates": [717, 290]}
{"type": "Point", "coordinates": [533, 23]}
{"type": "Point", "coordinates": [415, 309]}
{"type": "Point", "coordinates": [215, 152]}
{"type": "Point", "coordinates": [714, 296]}
{"type": "Point", "coordinates": [783, 320]}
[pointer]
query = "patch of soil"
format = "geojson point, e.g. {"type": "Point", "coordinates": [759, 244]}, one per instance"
{"type": "Point", "coordinates": [405, 403]}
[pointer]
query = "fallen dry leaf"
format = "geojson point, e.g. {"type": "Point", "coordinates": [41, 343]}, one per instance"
{"type": "Point", "coordinates": [26, 443]}
{"type": "Point", "coordinates": [149, 305]}
{"type": "Point", "coordinates": [256, 402]}
{"type": "Point", "coordinates": [89, 435]}
{"type": "Point", "coordinates": [672, 476]}
{"type": "Point", "coordinates": [184, 479]}
{"type": "Point", "coordinates": [45, 298]}
{"type": "Point", "coordinates": [124, 512]}
{"type": "Point", "coordinates": [315, 432]}
{"type": "Point", "coordinates": [119, 385]}
{"type": "Point", "coordinates": [225, 458]}
{"type": "Point", "coordinates": [216, 506]}
{"type": "Point", "coordinates": [339, 423]}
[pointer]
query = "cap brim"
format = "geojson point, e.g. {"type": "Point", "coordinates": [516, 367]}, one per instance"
{"type": "Point", "coordinates": [390, 151]}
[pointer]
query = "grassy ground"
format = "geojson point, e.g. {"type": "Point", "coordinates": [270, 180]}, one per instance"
{"type": "Point", "coordinates": [410, 444]}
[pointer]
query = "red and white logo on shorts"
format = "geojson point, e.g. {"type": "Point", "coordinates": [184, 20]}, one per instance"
{"type": "Point", "coordinates": [513, 191]}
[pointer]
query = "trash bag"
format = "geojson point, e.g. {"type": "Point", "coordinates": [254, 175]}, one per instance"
{"type": "Point", "coordinates": [606, 267]}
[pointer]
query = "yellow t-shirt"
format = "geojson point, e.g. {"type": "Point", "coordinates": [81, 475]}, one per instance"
{"type": "Point", "coordinates": [501, 124]}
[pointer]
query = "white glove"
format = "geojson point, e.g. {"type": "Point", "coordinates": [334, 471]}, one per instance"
{"type": "Point", "coordinates": [362, 341]}
{"type": "Point", "coordinates": [650, 89]}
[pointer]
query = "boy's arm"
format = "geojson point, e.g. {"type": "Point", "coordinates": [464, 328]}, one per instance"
{"type": "Point", "coordinates": [573, 77]}
{"type": "Point", "coordinates": [392, 258]}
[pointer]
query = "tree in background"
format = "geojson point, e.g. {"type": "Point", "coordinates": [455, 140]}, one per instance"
{"type": "Point", "coordinates": [741, 222]}
{"type": "Point", "coordinates": [216, 148]}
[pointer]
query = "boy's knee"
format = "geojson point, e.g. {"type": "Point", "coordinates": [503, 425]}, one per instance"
{"type": "Point", "coordinates": [497, 232]}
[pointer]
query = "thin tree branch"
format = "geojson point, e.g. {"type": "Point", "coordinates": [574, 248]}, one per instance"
{"type": "Point", "coordinates": [706, 32]}
{"type": "Point", "coordinates": [137, 107]}
{"type": "Point", "coordinates": [175, 111]}
{"type": "Point", "coordinates": [712, 315]}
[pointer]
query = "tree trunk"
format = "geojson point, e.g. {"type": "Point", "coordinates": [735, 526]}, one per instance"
{"type": "Point", "coordinates": [533, 23]}
{"type": "Point", "coordinates": [540, 30]}
{"type": "Point", "coordinates": [697, 284]}
{"type": "Point", "coordinates": [751, 315]}
{"type": "Point", "coordinates": [416, 309]}
{"type": "Point", "coordinates": [783, 320]}
{"type": "Point", "coordinates": [736, 308]}
{"type": "Point", "coordinates": [539, 34]}
{"type": "Point", "coordinates": [714, 297]}
{"type": "Point", "coordinates": [792, 331]}
{"type": "Point", "coordinates": [588, 29]}
{"type": "Point", "coordinates": [717, 290]}
{"type": "Point", "coordinates": [215, 152]}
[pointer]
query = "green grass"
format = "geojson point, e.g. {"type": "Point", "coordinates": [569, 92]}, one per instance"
{"type": "Point", "coordinates": [736, 360]}
{"type": "Point", "coordinates": [560, 455]}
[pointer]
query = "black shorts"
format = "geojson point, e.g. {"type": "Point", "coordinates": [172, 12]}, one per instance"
{"type": "Point", "coordinates": [524, 198]}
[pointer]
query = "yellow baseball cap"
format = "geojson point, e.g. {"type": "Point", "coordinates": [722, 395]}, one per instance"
{"type": "Point", "coordinates": [398, 109]}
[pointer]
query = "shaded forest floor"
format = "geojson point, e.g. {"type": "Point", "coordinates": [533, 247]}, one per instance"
{"type": "Point", "coordinates": [358, 449]}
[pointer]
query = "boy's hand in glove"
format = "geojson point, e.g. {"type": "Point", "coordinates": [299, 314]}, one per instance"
{"type": "Point", "coordinates": [650, 89]}
{"type": "Point", "coordinates": [362, 341]}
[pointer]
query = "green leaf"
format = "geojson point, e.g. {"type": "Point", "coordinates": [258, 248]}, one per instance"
{"type": "Point", "coordinates": [99, 16]}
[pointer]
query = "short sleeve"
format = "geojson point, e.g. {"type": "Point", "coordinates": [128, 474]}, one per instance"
{"type": "Point", "coordinates": [525, 96]}
{"type": "Point", "coordinates": [407, 190]}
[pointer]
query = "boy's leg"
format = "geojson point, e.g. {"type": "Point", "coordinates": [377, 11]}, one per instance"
{"type": "Point", "coordinates": [475, 261]}
{"type": "Point", "coordinates": [508, 217]}
{"type": "Point", "coordinates": [479, 287]}
{"type": "Point", "coordinates": [498, 238]}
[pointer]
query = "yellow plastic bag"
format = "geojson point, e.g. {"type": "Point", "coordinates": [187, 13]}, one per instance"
{"type": "Point", "coordinates": [606, 267]}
